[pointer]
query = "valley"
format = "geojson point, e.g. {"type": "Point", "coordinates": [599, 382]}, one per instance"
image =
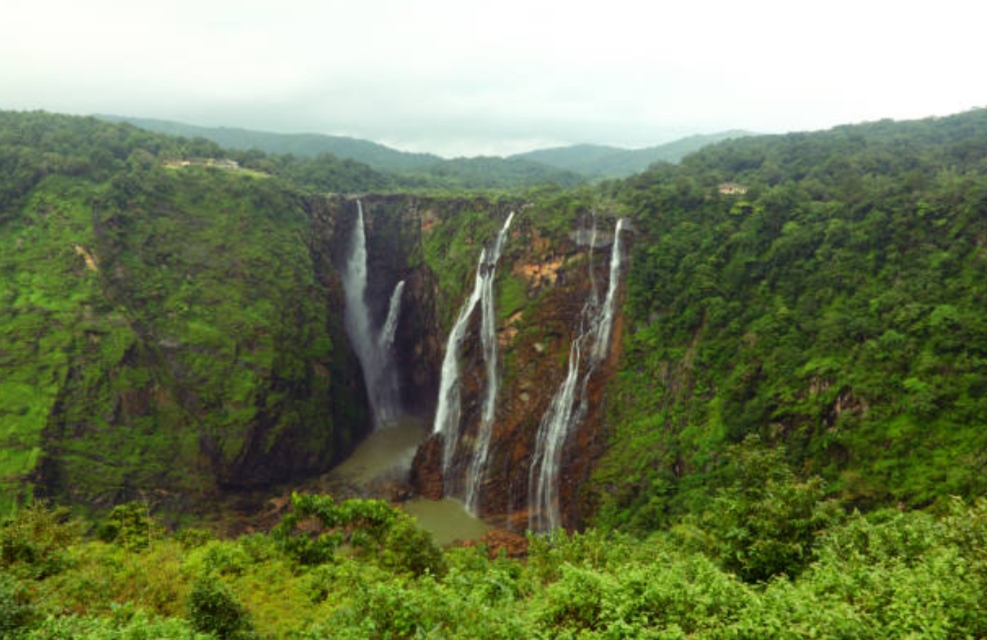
{"type": "Point", "coordinates": [682, 403]}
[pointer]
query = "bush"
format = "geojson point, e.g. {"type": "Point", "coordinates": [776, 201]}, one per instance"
{"type": "Point", "coordinates": [129, 526]}
{"type": "Point", "coordinates": [15, 611]}
{"type": "Point", "coordinates": [136, 627]}
{"type": "Point", "coordinates": [413, 549]}
{"type": "Point", "coordinates": [214, 608]}
{"type": "Point", "coordinates": [35, 540]}
{"type": "Point", "coordinates": [766, 522]}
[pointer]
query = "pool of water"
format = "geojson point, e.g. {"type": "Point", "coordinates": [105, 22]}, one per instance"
{"type": "Point", "coordinates": [387, 454]}
{"type": "Point", "coordinates": [447, 519]}
{"type": "Point", "coordinates": [388, 451]}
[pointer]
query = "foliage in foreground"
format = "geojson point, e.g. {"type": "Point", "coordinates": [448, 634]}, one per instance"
{"type": "Point", "coordinates": [889, 574]}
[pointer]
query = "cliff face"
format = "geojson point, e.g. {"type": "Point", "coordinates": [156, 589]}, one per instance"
{"type": "Point", "coordinates": [542, 285]}
{"type": "Point", "coordinates": [543, 281]}
{"type": "Point", "coordinates": [207, 355]}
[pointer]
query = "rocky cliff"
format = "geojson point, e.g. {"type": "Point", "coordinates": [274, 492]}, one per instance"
{"type": "Point", "coordinates": [203, 353]}
{"type": "Point", "coordinates": [544, 280]}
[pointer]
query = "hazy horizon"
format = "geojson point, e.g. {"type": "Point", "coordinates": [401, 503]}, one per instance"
{"type": "Point", "coordinates": [456, 79]}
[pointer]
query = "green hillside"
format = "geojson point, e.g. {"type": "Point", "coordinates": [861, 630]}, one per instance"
{"type": "Point", "coordinates": [835, 308]}
{"type": "Point", "coordinates": [306, 145]}
{"type": "Point", "coordinates": [161, 326]}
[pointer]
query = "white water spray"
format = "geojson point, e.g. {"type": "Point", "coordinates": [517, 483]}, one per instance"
{"type": "Point", "coordinates": [488, 339]}
{"type": "Point", "coordinates": [379, 371]}
{"type": "Point", "coordinates": [387, 334]}
{"type": "Point", "coordinates": [448, 411]}
{"type": "Point", "coordinates": [601, 338]}
{"type": "Point", "coordinates": [564, 412]}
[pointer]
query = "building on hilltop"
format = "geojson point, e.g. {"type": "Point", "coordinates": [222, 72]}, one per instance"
{"type": "Point", "coordinates": [732, 188]}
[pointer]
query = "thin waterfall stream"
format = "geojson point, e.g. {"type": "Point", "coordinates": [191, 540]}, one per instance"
{"type": "Point", "coordinates": [447, 415]}
{"type": "Point", "coordinates": [565, 411]}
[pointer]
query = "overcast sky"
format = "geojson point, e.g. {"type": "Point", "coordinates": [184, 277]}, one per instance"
{"type": "Point", "coordinates": [461, 77]}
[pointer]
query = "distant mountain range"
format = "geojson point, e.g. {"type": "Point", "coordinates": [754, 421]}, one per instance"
{"type": "Point", "coordinates": [601, 161]}
{"type": "Point", "coordinates": [307, 145]}
{"type": "Point", "coordinates": [570, 164]}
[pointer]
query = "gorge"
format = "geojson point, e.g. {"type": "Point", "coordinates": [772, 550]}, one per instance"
{"type": "Point", "coordinates": [466, 433]}
{"type": "Point", "coordinates": [197, 335]}
{"type": "Point", "coordinates": [743, 396]}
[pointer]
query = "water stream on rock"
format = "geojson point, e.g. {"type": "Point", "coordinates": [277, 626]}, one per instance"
{"type": "Point", "coordinates": [374, 353]}
{"type": "Point", "coordinates": [565, 412]}
{"type": "Point", "coordinates": [448, 412]}
{"type": "Point", "coordinates": [386, 340]}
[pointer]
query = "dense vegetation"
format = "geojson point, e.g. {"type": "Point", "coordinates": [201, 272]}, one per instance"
{"type": "Point", "coordinates": [836, 307]}
{"type": "Point", "coordinates": [360, 569]}
{"type": "Point", "coordinates": [161, 327]}
{"type": "Point", "coordinates": [796, 442]}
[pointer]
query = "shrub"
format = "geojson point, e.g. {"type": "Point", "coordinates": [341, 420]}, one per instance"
{"type": "Point", "coordinates": [15, 610]}
{"type": "Point", "coordinates": [766, 522]}
{"type": "Point", "coordinates": [214, 608]}
{"type": "Point", "coordinates": [35, 540]}
{"type": "Point", "coordinates": [413, 549]}
{"type": "Point", "coordinates": [128, 525]}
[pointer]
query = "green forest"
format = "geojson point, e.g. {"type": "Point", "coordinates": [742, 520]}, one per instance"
{"type": "Point", "coordinates": [795, 428]}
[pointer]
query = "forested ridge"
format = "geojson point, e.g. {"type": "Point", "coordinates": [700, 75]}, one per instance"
{"type": "Point", "coordinates": [836, 307]}
{"type": "Point", "coordinates": [795, 430]}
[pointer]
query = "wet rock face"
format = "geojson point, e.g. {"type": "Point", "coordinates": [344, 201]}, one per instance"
{"type": "Point", "coordinates": [534, 341]}
{"type": "Point", "coordinates": [542, 283]}
{"type": "Point", "coordinates": [426, 469]}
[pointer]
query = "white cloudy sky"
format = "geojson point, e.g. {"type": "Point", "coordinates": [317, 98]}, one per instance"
{"type": "Point", "coordinates": [458, 77]}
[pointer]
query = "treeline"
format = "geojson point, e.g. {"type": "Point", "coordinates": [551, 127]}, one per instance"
{"type": "Point", "coordinates": [834, 307]}
{"type": "Point", "coordinates": [35, 144]}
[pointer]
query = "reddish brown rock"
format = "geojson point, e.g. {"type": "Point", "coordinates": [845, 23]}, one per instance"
{"type": "Point", "coordinates": [426, 469]}
{"type": "Point", "coordinates": [499, 541]}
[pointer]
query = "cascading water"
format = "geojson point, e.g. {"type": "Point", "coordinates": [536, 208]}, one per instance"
{"type": "Point", "coordinates": [564, 412]}
{"type": "Point", "coordinates": [448, 412]}
{"type": "Point", "coordinates": [488, 339]}
{"type": "Point", "coordinates": [386, 340]}
{"type": "Point", "coordinates": [601, 339]}
{"type": "Point", "coordinates": [379, 372]}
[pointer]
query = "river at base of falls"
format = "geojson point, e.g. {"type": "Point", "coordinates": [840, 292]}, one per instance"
{"type": "Point", "coordinates": [383, 460]}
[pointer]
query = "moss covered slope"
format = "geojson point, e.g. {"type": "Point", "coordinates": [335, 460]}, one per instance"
{"type": "Point", "coordinates": [163, 329]}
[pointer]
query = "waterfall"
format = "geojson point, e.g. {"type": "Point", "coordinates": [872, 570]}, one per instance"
{"type": "Point", "coordinates": [601, 341]}
{"type": "Point", "coordinates": [564, 412]}
{"type": "Point", "coordinates": [552, 432]}
{"type": "Point", "coordinates": [448, 411]}
{"type": "Point", "coordinates": [386, 390]}
{"type": "Point", "coordinates": [386, 339]}
{"type": "Point", "coordinates": [488, 339]}
{"type": "Point", "coordinates": [374, 353]}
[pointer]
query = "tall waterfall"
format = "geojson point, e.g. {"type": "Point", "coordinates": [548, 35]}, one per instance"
{"type": "Point", "coordinates": [448, 412]}
{"type": "Point", "coordinates": [601, 339]}
{"type": "Point", "coordinates": [374, 352]}
{"type": "Point", "coordinates": [565, 411]}
{"type": "Point", "coordinates": [488, 339]}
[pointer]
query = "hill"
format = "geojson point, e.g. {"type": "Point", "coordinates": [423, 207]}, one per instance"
{"type": "Point", "coordinates": [159, 323]}
{"type": "Point", "coordinates": [828, 302]}
{"type": "Point", "coordinates": [407, 170]}
{"type": "Point", "coordinates": [601, 161]}
{"type": "Point", "coordinates": [306, 145]}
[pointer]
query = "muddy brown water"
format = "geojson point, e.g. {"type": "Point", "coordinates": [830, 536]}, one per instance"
{"type": "Point", "coordinates": [384, 458]}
